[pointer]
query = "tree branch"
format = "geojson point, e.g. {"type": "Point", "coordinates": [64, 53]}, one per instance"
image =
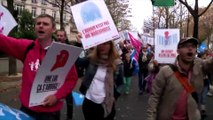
{"type": "Point", "coordinates": [205, 9]}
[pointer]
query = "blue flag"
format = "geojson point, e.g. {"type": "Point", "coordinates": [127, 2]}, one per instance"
{"type": "Point", "coordinates": [8, 113]}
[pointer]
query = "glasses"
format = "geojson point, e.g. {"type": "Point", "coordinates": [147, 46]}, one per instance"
{"type": "Point", "coordinates": [188, 45]}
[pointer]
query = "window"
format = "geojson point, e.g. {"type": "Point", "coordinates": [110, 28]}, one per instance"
{"type": "Point", "coordinates": [19, 8]}
{"type": "Point", "coordinates": [43, 11]}
{"type": "Point", "coordinates": [64, 17]}
{"type": "Point", "coordinates": [43, 2]}
{"type": "Point", "coordinates": [34, 1]}
{"type": "Point", "coordinates": [54, 14]}
{"type": "Point", "coordinates": [54, 4]}
{"type": "Point", "coordinates": [33, 12]}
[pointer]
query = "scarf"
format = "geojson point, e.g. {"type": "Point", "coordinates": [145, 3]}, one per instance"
{"type": "Point", "coordinates": [109, 85]}
{"type": "Point", "coordinates": [144, 58]}
{"type": "Point", "coordinates": [109, 89]}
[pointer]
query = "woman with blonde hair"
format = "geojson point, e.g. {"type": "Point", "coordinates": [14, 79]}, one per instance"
{"type": "Point", "coordinates": [102, 83]}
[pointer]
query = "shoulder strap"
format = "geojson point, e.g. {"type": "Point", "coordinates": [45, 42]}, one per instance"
{"type": "Point", "coordinates": [184, 82]}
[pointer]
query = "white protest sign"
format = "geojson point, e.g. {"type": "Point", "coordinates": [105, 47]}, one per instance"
{"type": "Point", "coordinates": [147, 39]}
{"type": "Point", "coordinates": [166, 41]}
{"type": "Point", "coordinates": [94, 21]}
{"type": "Point", "coordinates": [7, 22]}
{"type": "Point", "coordinates": [53, 71]}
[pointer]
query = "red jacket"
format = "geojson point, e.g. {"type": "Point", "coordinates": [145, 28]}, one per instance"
{"type": "Point", "coordinates": [17, 48]}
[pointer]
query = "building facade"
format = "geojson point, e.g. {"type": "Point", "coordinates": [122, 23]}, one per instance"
{"type": "Point", "coordinates": [37, 7]}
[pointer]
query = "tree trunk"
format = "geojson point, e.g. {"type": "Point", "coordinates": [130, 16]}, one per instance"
{"type": "Point", "coordinates": [196, 20]}
{"type": "Point", "coordinates": [167, 18]}
{"type": "Point", "coordinates": [62, 14]}
{"type": "Point", "coordinates": [195, 33]}
{"type": "Point", "coordinates": [12, 60]}
{"type": "Point", "coordinates": [188, 21]}
{"type": "Point", "coordinates": [12, 66]}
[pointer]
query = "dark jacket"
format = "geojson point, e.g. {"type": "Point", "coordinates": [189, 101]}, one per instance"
{"type": "Point", "coordinates": [128, 70]}
{"type": "Point", "coordinates": [91, 71]}
{"type": "Point", "coordinates": [143, 65]}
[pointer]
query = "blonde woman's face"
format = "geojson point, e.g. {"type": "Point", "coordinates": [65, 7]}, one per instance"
{"type": "Point", "coordinates": [104, 48]}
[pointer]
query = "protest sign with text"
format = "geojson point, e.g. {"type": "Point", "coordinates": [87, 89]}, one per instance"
{"type": "Point", "coordinates": [166, 41]}
{"type": "Point", "coordinates": [94, 21]}
{"type": "Point", "coordinates": [53, 71]}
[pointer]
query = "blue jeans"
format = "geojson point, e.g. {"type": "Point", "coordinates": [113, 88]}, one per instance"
{"type": "Point", "coordinates": [203, 93]}
{"type": "Point", "coordinates": [141, 80]}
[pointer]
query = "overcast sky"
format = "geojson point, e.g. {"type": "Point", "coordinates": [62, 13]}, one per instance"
{"type": "Point", "coordinates": [142, 9]}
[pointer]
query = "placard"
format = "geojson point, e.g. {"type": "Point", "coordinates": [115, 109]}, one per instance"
{"type": "Point", "coordinates": [166, 41]}
{"type": "Point", "coordinates": [94, 22]}
{"type": "Point", "coordinates": [53, 71]}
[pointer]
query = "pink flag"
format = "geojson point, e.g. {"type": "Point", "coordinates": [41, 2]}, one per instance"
{"type": "Point", "coordinates": [136, 44]}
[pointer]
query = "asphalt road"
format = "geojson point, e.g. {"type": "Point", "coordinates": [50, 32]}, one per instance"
{"type": "Point", "coordinates": [129, 107]}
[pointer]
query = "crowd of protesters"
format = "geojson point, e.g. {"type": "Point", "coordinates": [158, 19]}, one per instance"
{"type": "Point", "coordinates": [177, 91]}
{"type": "Point", "coordinates": [151, 76]}
{"type": "Point", "coordinates": [185, 103]}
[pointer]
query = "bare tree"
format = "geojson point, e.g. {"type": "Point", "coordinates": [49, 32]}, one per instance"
{"type": "Point", "coordinates": [206, 25]}
{"type": "Point", "coordinates": [169, 17]}
{"type": "Point", "coordinates": [12, 60]}
{"type": "Point", "coordinates": [195, 14]}
{"type": "Point", "coordinates": [117, 8]}
{"type": "Point", "coordinates": [62, 5]}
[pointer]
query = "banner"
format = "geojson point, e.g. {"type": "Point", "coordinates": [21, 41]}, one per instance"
{"type": "Point", "coordinates": [7, 22]}
{"type": "Point", "coordinates": [94, 21]}
{"type": "Point", "coordinates": [202, 47]}
{"type": "Point", "coordinates": [53, 71]}
{"type": "Point", "coordinates": [136, 44]}
{"type": "Point", "coordinates": [166, 41]}
{"type": "Point", "coordinates": [147, 39]}
{"type": "Point", "coordinates": [8, 113]}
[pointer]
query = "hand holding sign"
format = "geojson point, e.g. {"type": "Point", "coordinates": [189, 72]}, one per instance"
{"type": "Point", "coordinates": [79, 37]}
{"type": "Point", "coordinates": [94, 21]}
{"type": "Point", "coordinates": [50, 100]}
{"type": "Point", "coordinates": [49, 77]}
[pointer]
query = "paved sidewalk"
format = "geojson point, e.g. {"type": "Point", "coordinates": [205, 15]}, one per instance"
{"type": "Point", "coordinates": [4, 65]}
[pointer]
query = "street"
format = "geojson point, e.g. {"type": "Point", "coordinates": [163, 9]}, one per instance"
{"type": "Point", "coordinates": [129, 107]}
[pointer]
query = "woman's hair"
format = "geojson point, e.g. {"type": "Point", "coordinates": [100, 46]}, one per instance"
{"type": "Point", "coordinates": [112, 56]}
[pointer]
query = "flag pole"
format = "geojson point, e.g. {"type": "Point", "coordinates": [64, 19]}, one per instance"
{"type": "Point", "coordinates": [153, 18]}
